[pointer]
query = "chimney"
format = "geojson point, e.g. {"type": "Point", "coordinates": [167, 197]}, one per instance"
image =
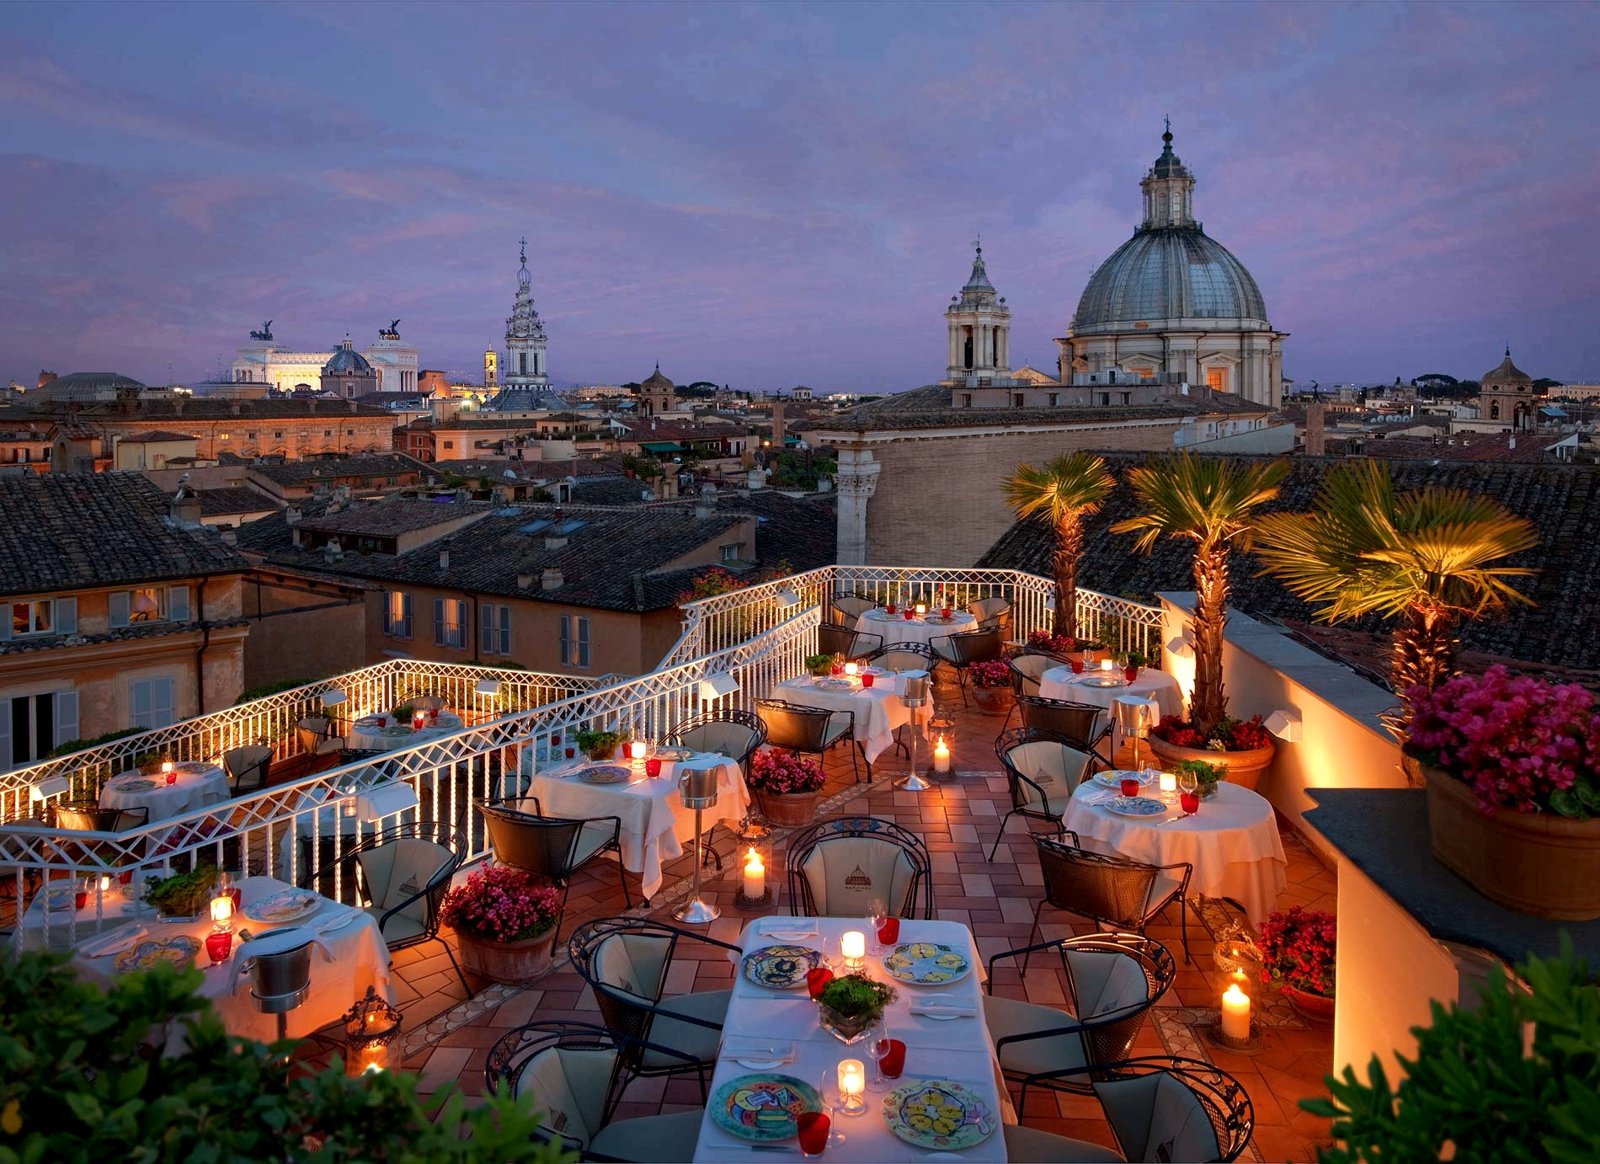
{"type": "Point", "coordinates": [1316, 432]}
{"type": "Point", "coordinates": [230, 538]}
{"type": "Point", "coordinates": [353, 405]}
{"type": "Point", "coordinates": [463, 495]}
{"type": "Point", "coordinates": [703, 510]}
{"type": "Point", "coordinates": [555, 543]}
{"type": "Point", "coordinates": [186, 509]}
{"type": "Point", "coordinates": [234, 405]}
{"type": "Point", "coordinates": [777, 426]}
{"type": "Point", "coordinates": [292, 515]}
{"type": "Point", "coordinates": [333, 549]}
{"type": "Point", "coordinates": [524, 580]}
{"type": "Point", "coordinates": [552, 579]}
{"type": "Point", "coordinates": [444, 559]}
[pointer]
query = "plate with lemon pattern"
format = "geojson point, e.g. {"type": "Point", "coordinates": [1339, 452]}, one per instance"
{"type": "Point", "coordinates": [926, 964]}
{"type": "Point", "coordinates": [939, 1114]}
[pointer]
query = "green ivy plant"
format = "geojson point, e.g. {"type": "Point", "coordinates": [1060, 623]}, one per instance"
{"type": "Point", "coordinates": [855, 996]}
{"type": "Point", "coordinates": [78, 1082]}
{"type": "Point", "coordinates": [1517, 1079]}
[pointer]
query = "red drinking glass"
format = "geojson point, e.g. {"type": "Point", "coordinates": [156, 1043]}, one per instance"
{"type": "Point", "coordinates": [652, 767]}
{"type": "Point", "coordinates": [1131, 674]}
{"type": "Point", "coordinates": [816, 978]}
{"type": "Point", "coordinates": [219, 944]}
{"type": "Point", "coordinates": [572, 752]}
{"type": "Point", "coordinates": [125, 877]}
{"type": "Point", "coordinates": [237, 898]}
{"type": "Point", "coordinates": [910, 614]}
{"type": "Point", "coordinates": [894, 1060]}
{"type": "Point", "coordinates": [890, 608]}
{"type": "Point", "coordinates": [1190, 801]}
{"type": "Point", "coordinates": [813, 1127]}
{"type": "Point", "coordinates": [1076, 665]}
{"type": "Point", "coordinates": [836, 669]}
{"type": "Point", "coordinates": [80, 899]}
{"type": "Point", "coordinates": [867, 678]}
{"type": "Point", "coordinates": [889, 931]}
{"type": "Point", "coordinates": [172, 777]}
{"type": "Point", "coordinates": [433, 714]}
{"type": "Point", "coordinates": [1130, 786]}
{"type": "Point", "coordinates": [944, 613]}
{"type": "Point", "coordinates": [555, 739]}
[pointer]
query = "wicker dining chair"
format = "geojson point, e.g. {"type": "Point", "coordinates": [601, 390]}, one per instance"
{"type": "Point", "coordinates": [1027, 669]}
{"type": "Point", "coordinates": [965, 648]}
{"type": "Point", "coordinates": [836, 639]}
{"type": "Point", "coordinates": [1042, 772]}
{"type": "Point", "coordinates": [1085, 724]}
{"type": "Point", "coordinates": [837, 866]}
{"type": "Point", "coordinates": [552, 846]}
{"type": "Point", "coordinates": [247, 767]}
{"type": "Point", "coordinates": [849, 607]}
{"type": "Point", "coordinates": [812, 730]}
{"type": "Point", "coordinates": [1110, 890]}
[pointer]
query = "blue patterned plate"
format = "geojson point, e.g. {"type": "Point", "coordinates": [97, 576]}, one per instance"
{"type": "Point", "coordinates": [1115, 777]}
{"type": "Point", "coordinates": [610, 774]}
{"type": "Point", "coordinates": [926, 964]}
{"type": "Point", "coordinates": [1135, 806]}
{"type": "Point", "coordinates": [938, 1114]}
{"type": "Point", "coordinates": [137, 784]}
{"type": "Point", "coordinates": [179, 952]}
{"type": "Point", "coordinates": [780, 967]}
{"type": "Point", "coordinates": [762, 1107]}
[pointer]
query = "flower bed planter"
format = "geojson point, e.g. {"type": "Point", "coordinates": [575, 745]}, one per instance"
{"type": "Point", "coordinates": [993, 700]}
{"type": "Point", "coordinates": [1536, 863]}
{"type": "Point", "coordinates": [789, 809]}
{"type": "Point", "coordinates": [1244, 768]}
{"type": "Point", "coordinates": [1316, 1007]}
{"type": "Point", "coordinates": [511, 963]}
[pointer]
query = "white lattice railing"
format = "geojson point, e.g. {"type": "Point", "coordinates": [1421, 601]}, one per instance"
{"type": "Point", "coordinates": [289, 830]}
{"type": "Point", "coordinates": [272, 719]}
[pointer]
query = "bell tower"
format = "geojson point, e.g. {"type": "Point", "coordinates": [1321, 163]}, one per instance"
{"type": "Point", "coordinates": [525, 339]}
{"type": "Point", "coordinates": [978, 326]}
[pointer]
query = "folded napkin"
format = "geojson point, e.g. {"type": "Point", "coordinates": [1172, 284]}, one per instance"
{"type": "Point", "coordinates": [758, 1050]}
{"type": "Point", "coordinates": [794, 934]}
{"type": "Point", "coordinates": [115, 942]}
{"type": "Point", "coordinates": [333, 920]}
{"type": "Point", "coordinates": [943, 1010]}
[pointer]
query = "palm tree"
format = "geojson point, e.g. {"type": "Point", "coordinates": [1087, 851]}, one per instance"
{"type": "Point", "coordinates": [1211, 501]}
{"type": "Point", "coordinates": [1063, 492]}
{"type": "Point", "coordinates": [1427, 558]}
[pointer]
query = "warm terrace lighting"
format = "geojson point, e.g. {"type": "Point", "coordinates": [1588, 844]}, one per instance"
{"type": "Point", "coordinates": [221, 910]}
{"type": "Point", "coordinates": [787, 599]}
{"type": "Point", "coordinates": [1235, 1014]}
{"type": "Point", "coordinates": [941, 756]}
{"type": "Point", "coordinates": [853, 947]}
{"type": "Point", "coordinates": [1169, 782]}
{"type": "Point", "coordinates": [755, 876]}
{"type": "Point", "coordinates": [852, 1083]}
{"type": "Point", "coordinates": [1285, 725]}
{"type": "Point", "coordinates": [851, 670]}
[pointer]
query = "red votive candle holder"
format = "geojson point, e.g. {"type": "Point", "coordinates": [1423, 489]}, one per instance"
{"type": "Point", "coordinates": [910, 614]}
{"type": "Point", "coordinates": [80, 899]}
{"type": "Point", "coordinates": [944, 613]}
{"type": "Point", "coordinates": [836, 668]}
{"type": "Point", "coordinates": [889, 931]}
{"type": "Point", "coordinates": [652, 767]}
{"type": "Point", "coordinates": [1190, 802]}
{"type": "Point", "coordinates": [813, 1127]}
{"type": "Point", "coordinates": [172, 777]}
{"type": "Point", "coordinates": [816, 978]}
{"type": "Point", "coordinates": [894, 1060]}
{"type": "Point", "coordinates": [1130, 786]}
{"type": "Point", "coordinates": [219, 944]}
{"type": "Point", "coordinates": [890, 608]}
{"type": "Point", "coordinates": [867, 678]}
{"type": "Point", "coordinates": [555, 739]}
{"type": "Point", "coordinates": [1076, 665]}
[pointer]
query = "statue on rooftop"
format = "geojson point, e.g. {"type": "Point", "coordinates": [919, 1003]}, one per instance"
{"type": "Point", "coordinates": [265, 333]}
{"type": "Point", "coordinates": [392, 332]}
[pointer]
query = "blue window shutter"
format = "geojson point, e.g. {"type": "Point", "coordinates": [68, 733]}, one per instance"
{"type": "Point", "coordinates": [438, 621]}
{"type": "Point", "coordinates": [5, 728]}
{"type": "Point", "coordinates": [163, 709]}
{"type": "Point", "coordinates": [6, 615]}
{"type": "Point", "coordinates": [178, 604]}
{"type": "Point", "coordinates": [583, 642]}
{"type": "Point", "coordinates": [486, 628]}
{"type": "Point", "coordinates": [405, 622]}
{"type": "Point", "coordinates": [505, 630]}
{"type": "Point", "coordinates": [119, 608]}
{"type": "Point", "coordinates": [66, 719]}
{"type": "Point", "coordinates": [566, 641]}
{"type": "Point", "coordinates": [139, 700]}
{"type": "Point", "coordinates": [66, 620]}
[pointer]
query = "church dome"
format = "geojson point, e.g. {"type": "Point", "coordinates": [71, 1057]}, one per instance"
{"type": "Point", "coordinates": [347, 362]}
{"type": "Point", "coordinates": [1506, 373]}
{"type": "Point", "coordinates": [656, 381]}
{"type": "Point", "coordinates": [1174, 272]}
{"type": "Point", "coordinates": [86, 386]}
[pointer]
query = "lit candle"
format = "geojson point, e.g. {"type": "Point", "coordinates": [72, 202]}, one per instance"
{"type": "Point", "coordinates": [851, 669]}
{"type": "Point", "coordinates": [922, 609]}
{"type": "Point", "coordinates": [166, 767]}
{"type": "Point", "coordinates": [941, 756]}
{"type": "Point", "coordinates": [1235, 1013]}
{"type": "Point", "coordinates": [105, 883]}
{"type": "Point", "coordinates": [853, 947]}
{"type": "Point", "coordinates": [222, 909]}
{"type": "Point", "coordinates": [1106, 665]}
{"type": "Point", "coordinates": [349, 806]}
{"type": "Point", "coordinates": [755, 876]}
{"type": "Point", "coordinates": [637, 749]}
{"type": "Point", "coordinates": [852, 1083]}
{"type": "Point", "coordinates": [1169, 782]}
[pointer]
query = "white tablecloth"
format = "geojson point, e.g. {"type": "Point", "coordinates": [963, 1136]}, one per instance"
{"type": "Point", "coordinates": [198, 785]}
{"type": "Point", "coordinates": [1232, 842]}
{"type": "Point", "coordinates": [654, 821]}
{"type": "Point", "coordinates": [958, 1049]}
{"type": "Point", "coordinates": [1061, 683]}
{"type": "Point", "coordinates": [896, 629]}
{"type": "Point", "coordinates": [372, 738]}
{"type": "Point", "coordinates": [878, 709]}
{"type": "Point", "coordinates": [360, 959]}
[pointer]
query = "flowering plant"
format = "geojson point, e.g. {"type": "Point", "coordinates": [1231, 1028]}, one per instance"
{"type": "Point", "coordinates": [1230, 735]}
{"type": "Point", "coordinates": [991, 673]}
{"type": "Point", "coordinates": [1056, 644]}
{"type": "Point", "coordinates": [780, 772]}
{"type": "Point", "coordinates": [1520, 742]}
{"type": "Point", "coordinates": [1297, 947]}
{"type": "Point", "coordinates": [502, 904]}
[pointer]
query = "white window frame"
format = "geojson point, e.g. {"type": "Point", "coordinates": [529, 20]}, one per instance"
{"type": "Point", "coordinates": [35, 625]}
{"type": "Point", "coordinates": [449, 632]}
{"type": "Point", "coordinates": [494, 628]}
{"type": "Point", "coordinates": [393, 626]}
{"type": "Point", "coordinates": [172, 605]}
{"type": "Point", "coordinates": [575, 644]}
{"type": "Point", "coordinates": [152, 702]}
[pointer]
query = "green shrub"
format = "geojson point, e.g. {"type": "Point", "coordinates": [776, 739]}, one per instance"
{"type": "Point", "coordinates": [267, 689]}
{"type": "Point", "coordinates": [79, 745]}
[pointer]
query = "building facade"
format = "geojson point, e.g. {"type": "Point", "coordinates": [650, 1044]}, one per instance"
{"type": "Point", "coordinates": [263, 361]}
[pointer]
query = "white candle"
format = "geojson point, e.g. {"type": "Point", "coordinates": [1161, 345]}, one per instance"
{"type": "Point", "coordinates": [922, 609]}
{"type": "Point", "coordinates": [851, 670]}
{"type": "Point", "coordinates": [222, 909]}
{"type": "Point", "coordinates": [1105, 664]}
{"type": "Point", "coordinates": [637, 749]}
{"type": "Point", "coordinates": [941, 756]}
{"type": "Point", "coordinates": [1235, 1013]}
{"type": "Point", "coordinates": [853, 947]}
{"type": "Point", "coordinates": [105, 883]}
{"type": "Point", "coordinates": [1169, 782]}
{"type": "Point", "coordinates": [166, 766]}
{"type": "Point", "coordinates": [755, 876]}
{"type": "Point", "coordinates": [852, 1083]}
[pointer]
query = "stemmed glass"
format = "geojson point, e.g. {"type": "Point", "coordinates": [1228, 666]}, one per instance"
{"type": "Point", "coordinates": [1189, 793]}
{"type": "Point", "coordinates": [878, 1047]}
{"type": "Point", "coordinates": [828, 1091]}
{"type": "Point", "coordinates": [877, 910]}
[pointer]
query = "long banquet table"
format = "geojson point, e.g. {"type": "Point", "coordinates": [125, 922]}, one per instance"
{"type": "Point", "coordinates": [958, 1049]}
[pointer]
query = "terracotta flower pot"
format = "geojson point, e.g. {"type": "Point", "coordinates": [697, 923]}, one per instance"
{"type": "Point", "coordinates": [993, 700]}
{"type": "Point", "coordinates": [789, 809]}
{"type": "Point", "coordinates": [1316, 1007]}
{"type": "Point", "coordinates": [1244, 768]}
{"type": "Point", "coordinates": [1536, 863]}
{"type": "Point", "coordinates": [511, 963]}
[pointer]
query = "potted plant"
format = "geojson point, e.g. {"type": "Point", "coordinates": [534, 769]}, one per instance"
{"type": "Point", "coordinates": [1062, 492]}
{"type": "Point", "coordinates": [1242, 747]}
{"type": "Point", "coordinates": [787, 784]}
{"type": "Point", "coordinates": [599, 745]}
{"type": "Point", "coordinates": [505, 921]}
{"type": "Point", "coordinates": [992, 686]}
{"type": "Point", "coordinates": [1207, 775]}
{"type": "Point", "coordinates": [1131, 662]}
{"type": "Point", "coordinates": [819, 664]}
{"type": "Point", "coordinates": [1297, 949]}
{"type": "Point", "coordinates": [1052, 644]}
{"type": "Point", "coordinates": [850, 1004]}
{"type": "Point", "coordinates": [184, 895]}
{"type": "Point", "coordinates": [1512, 766]}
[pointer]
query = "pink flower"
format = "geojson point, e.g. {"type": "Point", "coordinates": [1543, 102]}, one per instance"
{"type": "Point", "coordinates": [779, 772]}
{"type": "Point", "coordinates": [502, 904]}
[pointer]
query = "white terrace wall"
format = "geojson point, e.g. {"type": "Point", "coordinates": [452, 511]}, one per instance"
{"type": "Point", "coordinates": [1342, 741]}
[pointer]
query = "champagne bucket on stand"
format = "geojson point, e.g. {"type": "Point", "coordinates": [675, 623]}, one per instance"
{"type": "Point", "coordinates": [914, 694]}
{"type": "Point", "coordinates": [698, 789]}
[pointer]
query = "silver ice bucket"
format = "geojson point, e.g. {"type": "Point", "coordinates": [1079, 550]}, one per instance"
{"type": "Point", "coordinates": [698, 787]}
{"type": "Point", "coordinates": [280, 981]}
{"type": "Point", "coordinates": [914, 690]}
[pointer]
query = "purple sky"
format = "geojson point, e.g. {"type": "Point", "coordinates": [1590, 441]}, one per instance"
{"type": "Point", "coordinates": [771, 195]}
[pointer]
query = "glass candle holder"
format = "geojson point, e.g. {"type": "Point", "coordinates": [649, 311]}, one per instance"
{"type": "Point", "coordinates": [853, 948]}
{"type": "Point", "coordinates": [852, 1086]}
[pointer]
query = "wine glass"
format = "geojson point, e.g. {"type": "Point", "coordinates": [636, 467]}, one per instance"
{"type": "Point", "coordinates": [828, 1091]}
{"type": "Point", "coordinates": [1189, 792]}
{"type": "Point", "coordinates": [877, 910]}
{"type": "Point", "coordinates": [878, 1046]}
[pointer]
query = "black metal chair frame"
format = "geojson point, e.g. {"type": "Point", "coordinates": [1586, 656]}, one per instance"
{"type": "Point", "coordinates": [846, 616]}
{"type": "Point", "coordinates": [1093, 745]}
{"type": "Point", "coordinates": [853, 645]}
{"type": "Point", "coordinates": [743, 718]}
{"type": "Point", "coordinates": [802, 903]}
{"type": "Point", "coordinates": [238, 781]}
{"type": "Point", "coordinates": [1151, 909]}
{"type": "Point", "coordinates": [497, 809]}
{"type": "Point", "coordinates": [1106, 1037]}
{"type": "Point", "coordinates": [439, 832]}
{"type": "Point", "coordinates": [957, 656]}
{"type": "Point", "coordinates": [1004, 742]}
{"type": "Point", "coordinates": [824, 714]}
{"type": "Point", "coordinates": [1020, 679]}
{"type": "Point", "coordinates": [921, 650]}
{"type": "Point", "coordinates": [629, 1015]}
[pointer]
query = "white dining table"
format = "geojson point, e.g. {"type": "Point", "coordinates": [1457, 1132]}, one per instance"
{"type": "Point", "coordinates": [879, 710]}
{"type": "Point", "coordinates": [1232, 842]}
{"type": "Point", "coordinates": [383, 734]}
{"type": "Point", "coordinates": [197, 785]}
{"type": "Point", "coordinates": [655, 824]}
{"type": "Point", "coordinates": [352, 956]}
{"type": "Point", "coordinates": [1061, 683]}
{"type": "Point", "coordinates": [958, 1049]}
{"type": "Point", "coordinates": [897, 630]}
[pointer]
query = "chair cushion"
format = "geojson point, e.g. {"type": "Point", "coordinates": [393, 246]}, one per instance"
{"type": "Point", "coordinates": [1164, 886]}
{"type": "Point", "coordinates": [1103, 982]}
{"type": "Point", "coordinates": [570, 1085]}
{"type": "Point", "coordinates": [1056, 768]}
{"type": "Point", "coordinates": [399, 929]}
{"type": "Point", "coordinates": [595, 835]}
{"type": "Point", "coordinates": [845, 873]}
{"type": "Point", "coordinates": [399, 869]}
{"type": "Point", "coordinates": [650, 1138]}
{"type": "Point", "coordinates": [1008, 1016]}
{"type": "Point", "coordinates": [1032, 1146]}
{"type": "Point", "coordinates": [691, 1039]}
{"type": "Point", "coordinates": [839, 723]}
{"type": "Point", "coordinates": [723, 737]}
{"type": "Point", "coordinates": [633, 964]}
{"type": "Point", "coordinates": [1157, 1118]}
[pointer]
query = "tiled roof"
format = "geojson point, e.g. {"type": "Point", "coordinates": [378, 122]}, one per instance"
{"type": "Point", "coordinates": [156, 436]}
{"type": "Point", "coordinates": [391, 516]}
{"type": "Point", "coordinates": [802, 531]}
{"type": "Point", "coordinates": [665, 430]}
{"type": "Point", "coordinates": [234, 499]}
{"type": "Point", "coordinates": [302, 472]}
{"type": "Point", "coordinates": [1481, 448]}
{"type": "Point", "coordinates": [64, 531]}
{"type": "Point", "coordinates": [202, 408]}
{"type": "Point", "coordinates": [1563, 502]}
{"type": "Point", "coordinates": [143, 630]}
{"type": "Point", "coordinates": [611, 491]}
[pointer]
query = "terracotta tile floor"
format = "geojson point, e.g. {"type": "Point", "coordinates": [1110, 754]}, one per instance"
{"type": "Point", "coordinates": [448, 1036]}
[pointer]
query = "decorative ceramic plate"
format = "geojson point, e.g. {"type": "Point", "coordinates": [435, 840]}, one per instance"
{"type": "Point", "coordinates": [178, 951]}
{"type": "Point", "coordinates": [609, 774]}
{"type": "Point", "coordinates": [936, 620]}
{"type": "Point", "coordinates": [194, 766]}
{"type": "Point", "coordinates": [831, 684]}
{"type": "Point", "coordinates": [60, 897]}
{"type": "Point", "coordinates": [938, 1113]}
{"type": "Point", "coordinates": [1135, 806]}
{"type": "Point", "coordinates": [926, 964]}
{"type": "Point", "coordinates": [780, 967]}
{"type": "Point", "coordinates": [137, 784]}
{"type": "Point", "coordinates": [674, 753]}
{"type": "Point", "coordinates": [881, 615]}
{"type": "Point", "coordinates": [762, 1107]}
{"type": "Point", "coordinates": [372, 721]}
{"type": "Point", "coordinates": [290, 905]}
{"type": "Point", "coordinates": [1114, 778]}
{"type": "Point", "coordinates": [1102, 681]}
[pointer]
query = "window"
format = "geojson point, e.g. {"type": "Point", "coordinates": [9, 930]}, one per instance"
{"type": "Point", "coordinates": [149, 604]}
{"type": "Point", "coordinates": [31, 725]}
{"type": "Point", "coordinates": [327, 432]}
{"type": "Point", "coordinates": [495, 629]}
{"type": "Point", "coordinates": [150, 703]}
{"type": "Point", "coordinates": [36, 616]}
{"type": "Point", "coordinates": [449, 622]}
{"type": "Point", "coordinates": [397, 614]}
{"type": "Point", "coordinates": [574, 641]}
{"type": "Point", "coordinates": [966, 400]}
{"type": "Point", "coordinates": [222, 436]}
{"type": "Point", "coordinates": [730, 552]}
{"type": "Point", "coordinates": [1016, 400]}
{"type": "Point", "coordinates": [1105, 397]}
{"type": "Point", "coordinates": [278, 435]}
{"type": "Point", "coordinates": [250, 436]}
{"type": "Point", "coordinates": [1217, 379]}
{"type": "Point", "coordinates": [1055, 399]}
